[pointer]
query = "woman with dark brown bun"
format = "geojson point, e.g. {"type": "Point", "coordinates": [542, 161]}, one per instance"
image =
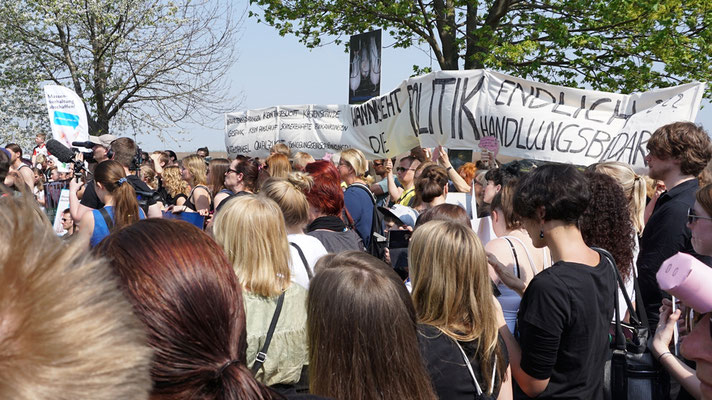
{"type": "Point", "coordinates": [184, 290]}
{"type": "Point", "coordinates": [240, 179]}
{"type": "Point", "coordinates": [431, 187]}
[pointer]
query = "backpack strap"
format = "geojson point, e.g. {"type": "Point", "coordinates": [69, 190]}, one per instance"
{"type": "Point", "coordinates": [262, 354]}
{"type": "Point", "coordinates": [378, 241]}
{"type": "Point", "coordinates": [364, 187]}
{"type": "Point", "coordinates": [304, 259]}
{"type": "Point", "coordinates": [107, 218]}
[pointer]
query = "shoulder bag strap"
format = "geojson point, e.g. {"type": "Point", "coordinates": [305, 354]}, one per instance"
{"type": "Point", "coordinates": [472, 372]}
{"type": "Point", "coordinates": [304, 259]}
{"type": "Point", "coordinates": [107, 218]}
{"type": "Point", "coordinates": [620, 338]}
{"type": "Point", "coordinates": [639, 304]}
{"type": "Point", "coordinates": [514, 253]}
{"type": "Point", "coordinates": [262, 354]}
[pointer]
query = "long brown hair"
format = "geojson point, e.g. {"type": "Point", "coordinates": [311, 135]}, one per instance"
{"type": "Point", "coordinates": [216, 174]}
{"type": "Point", "coordinates": [452, 289]}
{"type": "Point", "coordinates": [112, 176]}
{"type": "Point", "coordinates": [375, 355]}
{"type": "Point", "coordinates": [184, 290]}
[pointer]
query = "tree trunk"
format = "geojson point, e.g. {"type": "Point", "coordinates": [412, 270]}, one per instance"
{"type": "Point", "coordinates": [471, 61]}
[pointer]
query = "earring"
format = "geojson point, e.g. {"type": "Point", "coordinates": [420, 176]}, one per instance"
{"type": "Point", "coordinates": [541, 234]}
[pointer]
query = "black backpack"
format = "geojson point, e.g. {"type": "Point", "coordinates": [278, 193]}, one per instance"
{"type": "Point", "coordinates": [377, 244]}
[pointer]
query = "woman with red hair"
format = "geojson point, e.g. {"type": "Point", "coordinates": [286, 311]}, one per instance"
{"type": "Point", "coordinates": [326, 204]}
{"type": "Point", "coordinates": [183, 289]}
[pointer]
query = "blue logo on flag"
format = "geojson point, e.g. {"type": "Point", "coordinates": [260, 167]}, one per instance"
{"type": "Point", "coordinates": [66, 119]}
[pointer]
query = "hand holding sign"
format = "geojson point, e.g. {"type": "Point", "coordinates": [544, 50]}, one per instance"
{"type": "Point", "coordinates": [441, 157]}
{"type": "Point", "coordinates": [389, 166]}
{"type": "Point", "coordinates": [491, 144]}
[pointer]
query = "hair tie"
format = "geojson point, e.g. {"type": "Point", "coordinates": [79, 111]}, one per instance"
{"type": "Point", "coordinates": [120, 181]}
{"type": "Point", "coordinates": [227, 364]}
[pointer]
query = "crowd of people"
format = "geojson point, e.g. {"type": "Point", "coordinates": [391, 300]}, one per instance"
{"type": "Point", "coordinates": [295, 277]}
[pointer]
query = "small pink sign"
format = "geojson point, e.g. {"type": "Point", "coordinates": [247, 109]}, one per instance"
{"type": "Point", "coordinates": [490, 143]}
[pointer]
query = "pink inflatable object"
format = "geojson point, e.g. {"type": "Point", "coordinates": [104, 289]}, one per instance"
{"type": "Point", "coordinates": [688, 279]}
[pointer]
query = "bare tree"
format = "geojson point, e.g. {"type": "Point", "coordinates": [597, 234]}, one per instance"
{"type": "Point", "coordinates": [137, 63]}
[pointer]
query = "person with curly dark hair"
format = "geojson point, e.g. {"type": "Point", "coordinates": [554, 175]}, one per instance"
{"type": "Point", "coordinates": [566, 310]}
{"type": "Point", "coordinates": [498, 177]}
{"type": "Point", "coordinates": [606, 224]}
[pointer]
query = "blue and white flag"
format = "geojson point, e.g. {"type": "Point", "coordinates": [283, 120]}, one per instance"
{"type": "Point", "coordinates": [67, 115]}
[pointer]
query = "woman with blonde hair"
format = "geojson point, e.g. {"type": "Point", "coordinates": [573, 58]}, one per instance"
{"type": "Point", "coordinates": [358, 198]}
{"type": "Point", "coordinates": [300, 160]}
{"type": "Point", "coordinates": [633, 186]}
{"type": "Point", "coordinates": [194, 172]}
{"type": "Point", "coordinates": [251, 230]}
{"type": "Point", "coordinates": [175, 189]}
{"type": "Point", "coordinates": [458, 319]}
{"type": "Point", "coordinates": [149, 176]}
{"type": "Point", "coordinates": [305, 250]}
{"type": "Point", "coordinates": [278, 165]}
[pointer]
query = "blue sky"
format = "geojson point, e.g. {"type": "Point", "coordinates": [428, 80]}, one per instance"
{"type": "Point", "coordinates": [274, 70]}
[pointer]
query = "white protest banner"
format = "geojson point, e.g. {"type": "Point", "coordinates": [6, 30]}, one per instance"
{"type": "Point", "coordinates": [67, 115]}
{"type": "Point", "coordinates": [62, 205]}
{"type": "Point", "coordinates": [456, 109]}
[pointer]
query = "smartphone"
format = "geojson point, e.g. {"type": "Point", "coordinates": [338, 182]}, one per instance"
{"type": "Point", "coordinates": [398, 239]}
{"type": "Point", "coordinates": [398, 247]}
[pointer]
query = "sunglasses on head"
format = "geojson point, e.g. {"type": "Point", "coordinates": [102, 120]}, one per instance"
{"type": "Point", "coordinates": [692, 217]}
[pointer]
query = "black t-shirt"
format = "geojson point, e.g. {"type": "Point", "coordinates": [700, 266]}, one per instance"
{"type": "Point", "coordinates": [450, 377]}
{"type": "Point", "coordinates": [665, 234]}
{"type": "Point", "coordinates": [230, 197]}
{"type": "Point", "coordinates": [91, 200]}
{"type": "Point", "coordinates": [563, 325]}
